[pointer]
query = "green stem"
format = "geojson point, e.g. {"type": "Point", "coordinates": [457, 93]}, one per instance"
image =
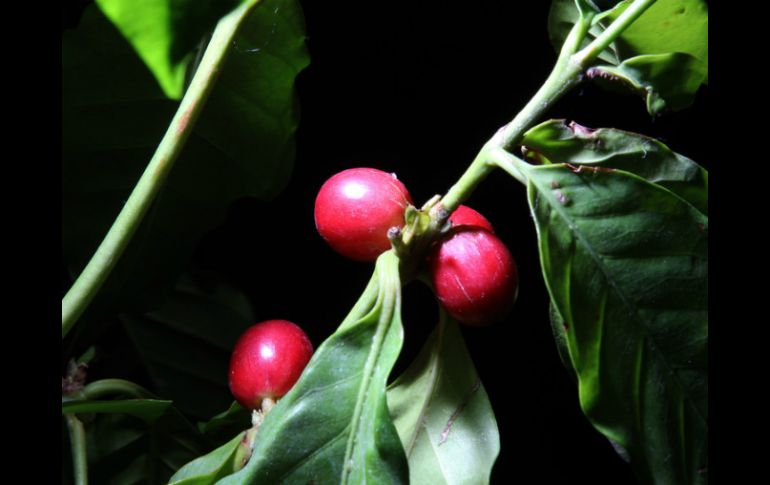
{"type": "Point", "coordinates": [108, 387]}
{"type": "Point", "coordinates": [629, 16]}
{"type": "Point", "coordinates": [566, 74]}
{"type": "Point", "coordinates": [115, 242]}
{"type": "Point", "coordinates": [78, 446]}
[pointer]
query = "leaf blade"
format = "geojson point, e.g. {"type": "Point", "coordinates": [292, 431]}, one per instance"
{"type": "Point", "coordinates": [443, 415]}
{"type": "Point", "coordinates": [663, 54]}
{"type": "Point", "coordinates": [556, 141]}
{"type": "Point", "coordinates": [626, 263]}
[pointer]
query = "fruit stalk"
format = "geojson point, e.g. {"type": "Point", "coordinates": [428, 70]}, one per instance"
{"type": "Point", "coordinates": [125, 225]}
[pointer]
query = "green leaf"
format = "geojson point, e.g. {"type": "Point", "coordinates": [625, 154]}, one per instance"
{"type": "Point", "coordinates": [146, 409]}
{"type": "Point", "coordinates": [207, 469]}
{"type": "Point", "coordinates": [334, 425]}
{"type": "Point", "coordinates": [186, 343]}
{"type": "Point", "coordinates": [556, 141]}
{"type": "Point", "coordinates": [626, 263]}
{"type": "Point", "coordinates": [164, 33]}
{"type": "Point", "coordinates": [667, 26]}
{"type": "Point", "coordinates": [443, 415]}
{"type": "Point", "coordinates": [662, 55]}
{"type": "Point", "coordinates": [667, 81]}
{"type": "Point", "coordinates": [114, 115]}
{"type": "Point", "coordinates": [226, 423]}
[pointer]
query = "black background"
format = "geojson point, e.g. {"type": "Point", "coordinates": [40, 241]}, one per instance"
{"type": "Point", "coordinates": [417, 89]}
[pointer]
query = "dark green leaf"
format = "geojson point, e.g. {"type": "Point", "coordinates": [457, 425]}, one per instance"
{"type": "Point", "coordinates": [334, 425]}
{"type": "Point", "coordinates": [114, 115]}
{"type": "Point", "coordinates": [225, 424]}
{"type": "Point", "coordinates": [187, 342]}
{"type": "Point", "coordinates": [626, 263]}
{"type": "Point", "coordinates": [146, 409]}
{"type": "Point", "coordinates": [443, 415]}
{"type": "Point", "coordinates": [135, 441]}
{"type": "Point", "coordinates": [165, 32]}
{"type": "Point", "coordinates": [207, 469]}
{"type": "Point", "coordinates": [556, 141]}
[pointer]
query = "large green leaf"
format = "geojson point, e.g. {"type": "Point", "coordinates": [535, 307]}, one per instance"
{"type": "Point", "coordinates": [114, 115]}
{"type": "Point", "coordinates": [663, 55]}
{"type": "Point", "coordinates": [443, 415]}
{"type": "Point", "coordinates": [334, 425]}
{"type": "Point", "coordinates": [556, 141]}
{"type": "Point", "coordinates": [164, 33]}
{"type": "Point", "coordinates": [667, 26]}
{"type": "Point", "coordinates": [626, 264]}
{"type": "Point", "coordinates": [186, 343]}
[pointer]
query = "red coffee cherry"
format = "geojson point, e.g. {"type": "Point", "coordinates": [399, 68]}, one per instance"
{"type": "Point", "coordinates": [355, 208]}
{"type": "Point", "coordinates": [267, 360]}
{"type": "Point", "coordinates": [465, 216]}
{"type": "Point", "coordinates": [474, 275]}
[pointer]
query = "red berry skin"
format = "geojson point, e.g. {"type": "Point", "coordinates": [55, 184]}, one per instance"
{"type": "Point", "coordinates": [267, 360]}
{"type": "Point", "coordinates": [474, 276]}
{"type": "Point", "coordinates": [465, 216]}
{"type": "Point", "coordinates": [355, 208]}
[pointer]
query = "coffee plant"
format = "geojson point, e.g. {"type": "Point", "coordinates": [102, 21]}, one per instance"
{"type": "Point", "coordinates": [186, 221]}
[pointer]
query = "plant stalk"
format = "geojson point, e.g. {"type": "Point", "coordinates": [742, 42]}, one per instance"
{"type": "Point", "coordinates": [78, 446]}
{"type": "Point", "coordinates": [149, 185]}
{"type": "Point", "coordinates": [566, 74]}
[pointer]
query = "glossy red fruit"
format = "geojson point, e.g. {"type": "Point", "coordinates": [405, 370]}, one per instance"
{"type": "Point", "coordinates": [465, 216]}
{"type": "Point", "coordinates": [267, 360]}
{"type": "Point", "coordinates": [355, 208]}
{"type": "Point", "coordinates": [474, 276]}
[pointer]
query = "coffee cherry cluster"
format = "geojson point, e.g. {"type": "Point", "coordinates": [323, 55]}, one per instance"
{"type": "Point", "coordinates": [473, 273]}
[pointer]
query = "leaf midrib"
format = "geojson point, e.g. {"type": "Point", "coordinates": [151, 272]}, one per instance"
{"type": "Point", "coordinates": [387, 303]}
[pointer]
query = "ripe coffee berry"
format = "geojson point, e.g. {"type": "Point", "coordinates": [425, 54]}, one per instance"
{"type": "Point", "coordinates": [465, 216]}
{"type": "Point", "coordinates": [474, 275]}
{"type": "Point", "coordinates": [355, 208]}
{"type": "Point", "coordinates": [267, 360]}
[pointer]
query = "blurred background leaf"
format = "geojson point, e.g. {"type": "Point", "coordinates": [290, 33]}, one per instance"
{"type": "Point", "coordinates": [113, 117]}
{"type": "Point", "coordinates": [164, 33]}
{"type": "Point", "coordinates": [186, 343]}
